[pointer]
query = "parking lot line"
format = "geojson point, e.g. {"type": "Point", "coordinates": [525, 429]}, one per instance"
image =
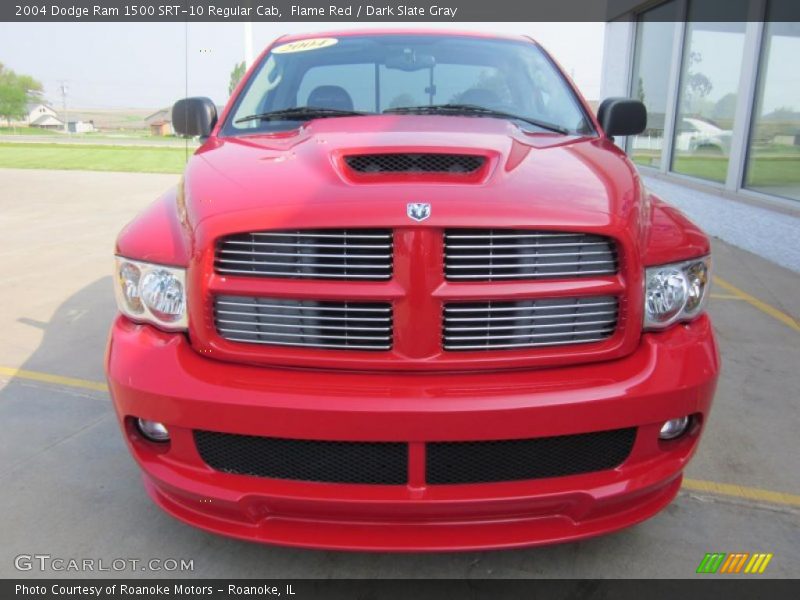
{"type": "Point", "coordinates": [86, 384]}
{"type": "Point", "coordinates": [767, 309]}
{"type": "Point", "coordinates": [741, 492]}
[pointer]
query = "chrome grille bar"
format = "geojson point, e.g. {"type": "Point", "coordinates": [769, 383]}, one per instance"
{"type": "Point", "coordinates": [347, 254]}
{"type": "Point", "coordinates": [494, 325]}
{"type": "Point", "coordinates": [502, 308]}
{"type": "Point", "coordinates": [304, 323]}
{"type": "Point", "coordinates": [497, 254]}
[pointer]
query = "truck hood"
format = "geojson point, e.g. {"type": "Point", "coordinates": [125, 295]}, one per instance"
{"type": "Point", "coordinates": [298, 178]}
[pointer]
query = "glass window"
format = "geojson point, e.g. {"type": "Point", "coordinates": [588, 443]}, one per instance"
{"type": "Point", "coordinates": [773, 164]}
{"type": "Point", "coordinates": [712, 62]}
{"type": "Point", "coordinates": [453, 84]}
{"type": "Point", "coordinates": [357, 80]}
{"type": "Point", "coordinates": [655, 38]}
{"type": "Point", "coordinates": [404, 88]}
{"type": "Point", "coordinates": [373, 73]}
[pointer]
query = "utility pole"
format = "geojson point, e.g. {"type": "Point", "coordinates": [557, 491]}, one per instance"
{"type": "Point", "coordinates": [62, 86]}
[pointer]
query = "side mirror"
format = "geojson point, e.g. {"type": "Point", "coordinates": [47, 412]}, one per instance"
{"type": "Point", "coordinates": [194, 117]}
{"type": "Point", "coordinates": [622, 116]}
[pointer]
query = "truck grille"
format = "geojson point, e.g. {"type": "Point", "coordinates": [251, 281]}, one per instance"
{"type": "Point", "coordinates": [304, 323]}
{"type": "Point", "coordinates": [497, 254]}
{"type": "Point", "coordinates": [492, 325]}
{"type": "Point", "coordinates": [386, 463]}
{"type": "Point", "coordinates": [415, 163]}
{"type": "Point", "coordinates": [512, 460]}
{"type": "Point", "coordinates": [362, 254]}
{"type": "Point", "coordinates": [305, 460]}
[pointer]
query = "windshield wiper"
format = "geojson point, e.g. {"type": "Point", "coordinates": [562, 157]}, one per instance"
{"type": "Point", "coordinates": [473, 110]}
{"type": "Point", "coordinates": [300, 113]}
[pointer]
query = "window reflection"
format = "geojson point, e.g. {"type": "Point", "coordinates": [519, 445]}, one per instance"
{"type": "Point", "coordinates": [651, 66]}
{"type": "Point", "coordinates": [774, 152]}
{"type": "Point", "coordinates": [710, 74]}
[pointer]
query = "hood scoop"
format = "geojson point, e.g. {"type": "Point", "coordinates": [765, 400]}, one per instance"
{"type": "Point", "coordinates": [415, 164]}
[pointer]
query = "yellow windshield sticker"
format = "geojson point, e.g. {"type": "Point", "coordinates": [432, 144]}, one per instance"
{"type": "Point", "coordinates": [305, 45]}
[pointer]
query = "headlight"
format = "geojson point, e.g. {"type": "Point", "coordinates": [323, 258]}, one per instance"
{"type": "Point", "coordinates": [675, 292]}
{"type": "Point", "coordinates": [151, 293]}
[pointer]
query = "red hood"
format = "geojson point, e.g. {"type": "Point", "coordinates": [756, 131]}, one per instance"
{"type": "Point", "coordinates": [291, 179]}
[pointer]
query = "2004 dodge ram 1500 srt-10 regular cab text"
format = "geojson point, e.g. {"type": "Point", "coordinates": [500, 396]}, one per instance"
{"type": "Point", "coordinates": [409, 295]}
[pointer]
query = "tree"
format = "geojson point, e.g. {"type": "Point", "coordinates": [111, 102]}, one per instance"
{"type": "Point", "coordinates": [15, 93]}
{"type": "Point", "coordinates": [236, 76]}
{"type": "Point", "coordinates": [698, 86]}
{"type": "Point", "coordinates": [725, 108]}
{"type": "Point", "coordinates": [404, 99]}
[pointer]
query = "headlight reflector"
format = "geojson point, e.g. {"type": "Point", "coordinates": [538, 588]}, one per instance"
{"type": "Point", "coordinates": [129, 275]}
{"type": "Point", "coordinates": [667, 291]}
{"type": "Point", "coordinates": [675, 292]}
{"type": "Point", "coordinates": [162, 293]}
{"type": "Point", "coordinates": [698, 280]}
{"type": "Point", "coordinates": [152, 293]}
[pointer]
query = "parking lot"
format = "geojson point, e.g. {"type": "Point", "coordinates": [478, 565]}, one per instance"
{"type": "Point", "coordinates": [71, 490]}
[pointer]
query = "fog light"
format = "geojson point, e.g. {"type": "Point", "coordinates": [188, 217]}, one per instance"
{"type": "Point", "coordinates": [674, 428]}
{"type": "Point", "coordinates": [153, 430]}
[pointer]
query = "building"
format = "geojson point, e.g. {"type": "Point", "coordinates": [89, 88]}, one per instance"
{"type": "Point", "coordinates": [42, 115]}
{"type": "Point", "coordinates": [723, 98]}
{"type": "Point", "coordinates": [160, 122]}
{"type": "Point", "coordinates": [81, 127]}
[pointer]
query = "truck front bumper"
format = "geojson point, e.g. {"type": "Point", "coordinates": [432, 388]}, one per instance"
{"type": "Point", "coordinates": [158, 376]}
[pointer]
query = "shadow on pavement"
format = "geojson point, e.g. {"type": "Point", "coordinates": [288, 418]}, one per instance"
{"type": "Point", "coordinates": [75, 337]}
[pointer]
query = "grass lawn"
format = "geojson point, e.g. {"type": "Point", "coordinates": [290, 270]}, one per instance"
{"type": "Point", "coordinates": [774, 170]}
{"type": "Point", "coordinates": [713, 168]}
{"type": "Point", "coordinates": [85, 157]}
{"type": "Point", "coordinates": [128, 134]}
{"type": "Point", "coordinates": [5, 130]}
{"type": "Point", "coordinates": [766, 169]}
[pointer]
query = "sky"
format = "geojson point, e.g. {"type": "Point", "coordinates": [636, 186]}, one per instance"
{"type": "Point", "coordinates": [143, 65]}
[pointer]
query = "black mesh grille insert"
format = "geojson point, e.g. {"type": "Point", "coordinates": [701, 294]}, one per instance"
{"type": "Point", "coordinates": [304, 323]}
{"type": "Point", "coordinates": [415, 163]}
{"type": "Point", "coordinates": [511, 460]}
{"type": "Point", "coordinates": [305, 460]}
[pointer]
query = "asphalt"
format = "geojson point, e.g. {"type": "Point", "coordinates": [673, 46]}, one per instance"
{"type": "Point", "coordinates": [69, 488]}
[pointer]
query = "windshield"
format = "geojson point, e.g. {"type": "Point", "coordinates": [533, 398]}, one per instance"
{"type": "Point", "coordinates": [373, 74]}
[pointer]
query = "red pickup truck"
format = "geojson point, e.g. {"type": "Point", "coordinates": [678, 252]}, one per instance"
{"type": "Point", "coordinates": [409, 295]}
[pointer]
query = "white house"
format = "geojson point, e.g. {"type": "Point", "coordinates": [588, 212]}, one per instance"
{"type": "Point", "coordinates": [43, 115]}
